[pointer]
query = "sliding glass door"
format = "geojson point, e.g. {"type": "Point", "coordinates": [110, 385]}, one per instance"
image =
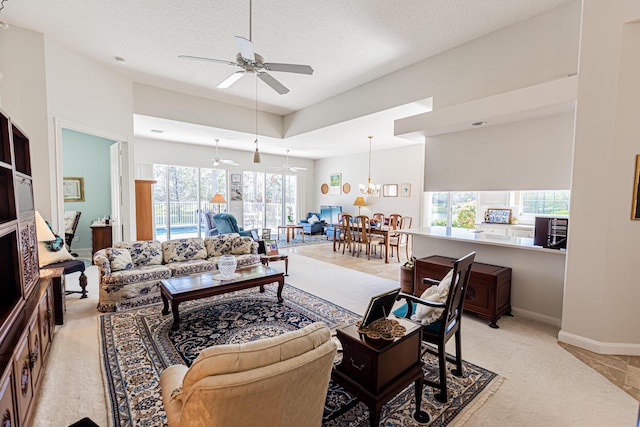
{"type": "Point", "coordinates": [268, 200]}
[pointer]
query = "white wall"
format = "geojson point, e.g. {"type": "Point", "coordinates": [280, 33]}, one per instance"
{"type": "Point", "coordinates": [527, 155]}
{"type": "Point", "coordinates": [397, 166]}
{"type": "Point", "coordinates": [602, 289]}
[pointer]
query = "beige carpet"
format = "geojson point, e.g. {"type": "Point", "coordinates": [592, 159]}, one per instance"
{"type": "Point", "coordinates": [544, 384]}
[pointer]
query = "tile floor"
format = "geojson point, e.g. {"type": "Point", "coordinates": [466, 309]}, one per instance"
{"type": "Point", "coordinates": [623, 371]}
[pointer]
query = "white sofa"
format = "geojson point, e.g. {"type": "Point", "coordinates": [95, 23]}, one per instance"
{"type": "Point", "coordinates": [130, 272]}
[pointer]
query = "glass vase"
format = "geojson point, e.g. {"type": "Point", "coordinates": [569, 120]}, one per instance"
{"type": "Point", "coordinates": [227, 265]}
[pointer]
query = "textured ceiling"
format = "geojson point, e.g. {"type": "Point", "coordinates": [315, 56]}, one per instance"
{"type": "Point", "coordinates": [348, 43]}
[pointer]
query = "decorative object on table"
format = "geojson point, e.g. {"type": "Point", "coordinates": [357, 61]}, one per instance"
{"type": "Point", "coordinates": [335, 181]}
{"type": "Point", "coordinates": [382, 329]}
{"type": "Point", "coordinates": [324, 188]}
{"type": "Point", "coordinates": [369, 187]}
{"type": "Point", "coordinates": [148, 326]}
{"type": "Point", "coordinates": [390, 190]}
{"type": "Point", "coordinates": [359, 202]}
{"type": "Point", "coordinates": [497, 216]}
{"type": "Point", "coordinates": [227, 265]}
{"type": "Point", "coordinates": [406, 276]}
{"type": "Point", "coordinates": [271, 247]}
{"type": "Point", "coordinates": [379, 307]}
{"type": "Point", "coordinates": [218, 199]}
{"type": "Point", "coordinates": [73, 189]}
{"type": "Point", "coordinates": [266, 233]}
{"type": "Point", "coordinates": [405, 190]}
{"type": "Point", "coordinates": [346, 188]}
{"type": "Point", "coordinates": [635, 211]}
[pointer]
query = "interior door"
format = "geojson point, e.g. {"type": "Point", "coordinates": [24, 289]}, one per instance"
{"type": "Point", "coordinates": [115, 151]}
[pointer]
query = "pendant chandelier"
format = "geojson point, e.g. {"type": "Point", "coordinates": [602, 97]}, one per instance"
{"type": "Point", "coordinates": [369, 187]}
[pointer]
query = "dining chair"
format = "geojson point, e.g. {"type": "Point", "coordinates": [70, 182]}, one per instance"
{"type": "Point", "coordinates": [379, 218]}
{"type": "Point", "coordinates": [363, 235]}
{"type": "Point", "coordinates": [401, 239]}
{"type": "Point", "coordinates": [346, 236]}
{"type": "Point", "coordinates": [394, 221]}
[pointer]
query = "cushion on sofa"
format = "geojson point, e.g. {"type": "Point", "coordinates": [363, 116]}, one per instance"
{"type": "Point", "coordinates": [193, 266]}
{"type": "Point", "coordinates": [120, 259]}
{"type": "Point", "coordinates": [143, 252]}
{"type": "Point", "coordinates": [244, 245]}
{"type": "Point", "coordinates": [183, 250]}
{"type": "Point", "coordinates": [138, 274]}
{"type": "Point", "coordinates": [219, 245]}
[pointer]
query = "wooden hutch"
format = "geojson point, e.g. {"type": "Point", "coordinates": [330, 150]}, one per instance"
{"type": "Point", "coordinates": [26, 301]}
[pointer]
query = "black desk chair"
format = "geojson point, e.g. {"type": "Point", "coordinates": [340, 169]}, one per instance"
{"type": "Point", "coordinates": [71, 220]}
{"type": "Point", "coordinates": [73, 266]}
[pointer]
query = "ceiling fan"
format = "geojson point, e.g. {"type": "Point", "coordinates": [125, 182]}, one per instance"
{"type": "Point", "coordinates": [217, 160]}
{"type": "Point", "coordinates": [251, 63]}
{"type": "Point", "coordinates": [288, 167]}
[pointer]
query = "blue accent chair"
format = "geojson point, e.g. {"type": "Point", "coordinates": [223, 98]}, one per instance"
{"type": "Point", "coordinates": [227, 223]}
{"type": "Point", "coordinates": [211, 228]}
{"type": "Point", "coordinates": [312, 228]}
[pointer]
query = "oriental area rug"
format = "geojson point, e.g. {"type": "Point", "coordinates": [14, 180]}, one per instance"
{"type": "Point", "coordinates": [137, 345]}
{"type": "Point", "coordinates": [313, 239]}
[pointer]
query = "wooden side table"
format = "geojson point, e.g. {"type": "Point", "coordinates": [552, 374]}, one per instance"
{"type": "Point", "coordinates": [265, 259]}
{"type": "Point", "coordinates": [101, 237]}
{"type": "Point", "coordinates": [57, 281]}
{"type": "Point", "coordinates": [376, 371]}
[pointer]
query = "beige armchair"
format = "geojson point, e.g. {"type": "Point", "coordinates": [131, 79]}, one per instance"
{"type": "Point", "coordinates": [279, 381]}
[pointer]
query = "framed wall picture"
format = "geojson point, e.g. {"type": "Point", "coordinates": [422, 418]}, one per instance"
{"type": "Point", "coordinates": [271, 247]}
{"type": "Point", "coordinates": [335, 183]}
{"type": "Point", "coordinates": [390, 190]}
{"type": "Point", "coordinates": [405, 190]}
{"type": "Point", "coordinates": [498, 216]}
{"type": "Point", "coordinates": [635, 211]}
{"type": "Point", "coordinates": [346, 188]}
{"type": "Point", "coordinates": [236, 178]}
{"type": "Point", "coordinates": [236, 192]}
{"type": "Point", "coordinates": [73, 189]}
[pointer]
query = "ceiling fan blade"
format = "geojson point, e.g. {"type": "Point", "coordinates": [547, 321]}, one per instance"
{"type": "Point", "coordinates": [216, 162]}
{"type": "Point", "coordinates": [229, 162]}
{"type": "Point", "coordinates": [297, 168]}
{"type": "Point", "coordinates": [200, 58]}
{"type": "Point", "coordinates": [246, 48]}
{"type": "Point", "coordinates": [289, 68]}
{"type": "Point", "coordinates": [231, 79]}
{"type": "Point", "coordinates": [275, 85]}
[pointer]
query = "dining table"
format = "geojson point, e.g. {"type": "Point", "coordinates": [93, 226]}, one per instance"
{"type": "Point", "coordinates": [383, 231]}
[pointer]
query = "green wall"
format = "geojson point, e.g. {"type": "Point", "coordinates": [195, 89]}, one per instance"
{"type": "Point", "coordinates": [87, 156]}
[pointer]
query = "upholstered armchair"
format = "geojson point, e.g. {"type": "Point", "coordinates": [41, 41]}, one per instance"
{"type": "Point", "coordinates": [313, 224]}
{"type": "Point", "coordinates": [212, 229]}
{"type": "Point", "coordinates": [227, 223]}
{"type": "Point", "coordinates": [279, 381]}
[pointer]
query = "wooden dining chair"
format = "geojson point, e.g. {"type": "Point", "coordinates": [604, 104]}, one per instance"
{"type": "Point", "coordinates": [363, 235]}
{"type": "Point", "coordinates": [379, 218]}
{"type": "Point", "coordinates": [346, 235]}
{"type": "Point", "coordinates": [401, 239]}
{"type": "Point", "coordinates": [394, 221]}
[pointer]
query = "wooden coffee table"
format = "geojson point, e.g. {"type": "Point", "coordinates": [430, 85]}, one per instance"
{"type": "Point", "coordinates": [290, 231]}
{"type": "Point", "coordinates": [203, 285]}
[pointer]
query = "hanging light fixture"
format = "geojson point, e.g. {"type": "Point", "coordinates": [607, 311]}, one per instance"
{"type": "Point", "coordinates": [369, 187]}
{"type": "Point", "coordinates": [256, 155]}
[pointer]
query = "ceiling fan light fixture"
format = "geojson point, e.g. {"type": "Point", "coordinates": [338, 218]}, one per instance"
{"type": "Point", "coordinates": [256, 155]}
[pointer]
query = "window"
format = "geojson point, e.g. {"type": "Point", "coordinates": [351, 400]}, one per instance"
{"type": "Point", "coordinates": [453, 209]}
{"type": "Point", "coordinates": [551, 202]}
{"type": "Point", "coordinates": [268, 199]}
{"type": "Point", "coordinates": [180, 195]}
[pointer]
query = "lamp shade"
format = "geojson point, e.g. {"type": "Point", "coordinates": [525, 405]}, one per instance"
{"type": "Point", "coordinates": [217, 198]}
{"type": "Point", "coordinates": [43, 233]}
{"type": "Point", "coordinates": [359, 202]}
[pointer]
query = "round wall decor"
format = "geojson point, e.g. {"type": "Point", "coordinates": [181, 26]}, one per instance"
{"type": "Point", "coordinates": [324, 188]}
{"type": "Point", "coordinates": [346, 188]}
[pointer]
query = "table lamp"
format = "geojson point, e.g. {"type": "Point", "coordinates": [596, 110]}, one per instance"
{"type": "Point", "coordinates": [359, 202]}
{"type": "Point", "coordinates": [218, 198]}
{"type": "Point", "coordinates": [43, 233]}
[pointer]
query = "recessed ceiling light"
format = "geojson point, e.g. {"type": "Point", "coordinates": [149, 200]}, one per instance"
{"type": "Point", "coordinates": [482, 123]}
{"type": "Point", "coordinates": [120, 59]}
{"type": "Point", "coordinates": [157, 130]}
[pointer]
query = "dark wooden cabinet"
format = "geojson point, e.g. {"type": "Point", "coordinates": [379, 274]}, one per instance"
{"type": "Point", "coordinates": [100, 237]}
{"type": "Point", "coordinates": [489, 293]}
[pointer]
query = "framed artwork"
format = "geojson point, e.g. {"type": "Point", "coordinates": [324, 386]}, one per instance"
{"type": "Point", "coordinates": [498, 216]}
{"type": "Point", "coordinates": [236, 192]}
{"type": "Point", "coordinates": [73, 189]}
{"type": "Point", "coordinates": [271, 247]}
{"type": "Point", "coordinates": [236, 178]}
{"type": "Point", "coordinates": [346, 188]}
{"type": "Point", "coordinates": [335, 181]}
{"type": "Point", "coordinates": [405, 190]}
{"type": "Point", "coordinates": [635, 211]}
{"type": "Point", "coordinates": [376, 191]}
{"type": "Point", "coordinates": [390, 190]}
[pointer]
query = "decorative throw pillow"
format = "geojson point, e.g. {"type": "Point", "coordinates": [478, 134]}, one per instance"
{"type": "Point", "coordinates": [313, 219]}
{"type": "Point", "coordinates": [54, 245]}
{"type": "Point", "coordinates": [242, 245]}
{"type": "Point", "coordinates": [435, 293]}
{"type": "Point", "coordinates": [120, 259]}
{"type": "Point", "coordinates": [46, 257]}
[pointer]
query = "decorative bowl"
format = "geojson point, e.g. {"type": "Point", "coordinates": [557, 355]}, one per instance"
{"type": "Point", "coordinates": [227, 266]}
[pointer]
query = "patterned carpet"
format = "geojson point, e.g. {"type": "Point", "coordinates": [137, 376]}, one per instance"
{"type": "Point", "coordinates": [137, 345]}
{"type": "Point", "coordinates": [314, 239]}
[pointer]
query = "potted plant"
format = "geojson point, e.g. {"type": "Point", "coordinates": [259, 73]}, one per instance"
{"type": "Point", "coordinates": [406, 276]}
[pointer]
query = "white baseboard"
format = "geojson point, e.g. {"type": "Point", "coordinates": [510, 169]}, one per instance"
{"type": "Point", "coordinates": [628, 349]}
{"type": "Point", "coordinates": [536, 316]}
